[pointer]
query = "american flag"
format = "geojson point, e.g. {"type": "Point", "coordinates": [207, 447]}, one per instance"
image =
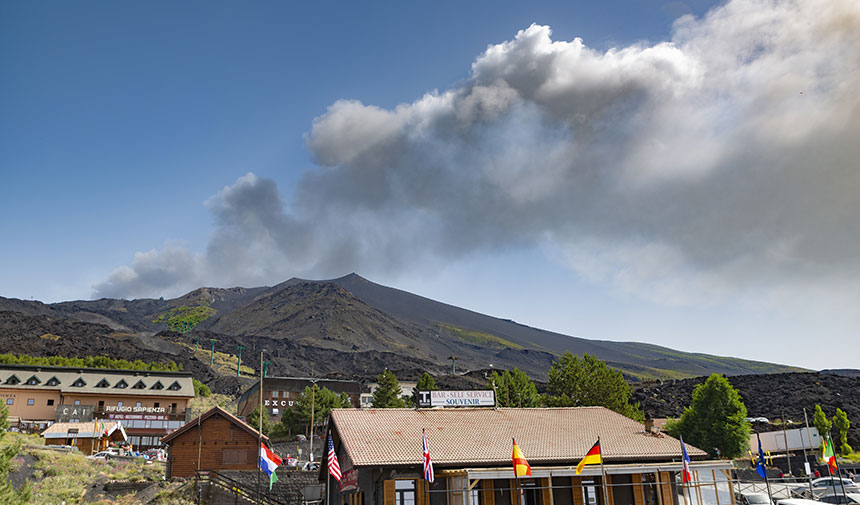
{"type": "Point", "coordinates": [428, 465]}
{"type": "Point", "coordinates": [333, 466]}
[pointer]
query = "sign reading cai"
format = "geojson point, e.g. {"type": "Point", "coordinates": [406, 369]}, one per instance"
{"type": "Point", "coordinates": [456, 399]}
{"type": "Point", "coordinates": [83, 413]}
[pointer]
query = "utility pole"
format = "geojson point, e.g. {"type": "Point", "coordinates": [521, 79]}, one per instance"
{"type": "Point", "coordinates": [806, 420]}
{"type": "Point", "coordinates": [266, 367]}
{"type": "Point", "coordinates": [453, 364]}
{"type": "Point", "coordinates": [785, 436]}
{"type": "Point", "coordinates": [196, 343]}
{"type": "Point", "coordinates": [212, 353]}
{"type": "Point", "coordinates": [311, 451]}
{"type": "Point", "coordinates": [240, 348]}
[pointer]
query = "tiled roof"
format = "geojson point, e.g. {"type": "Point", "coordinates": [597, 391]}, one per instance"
{"type": "Point", "coordinates": [85, 380]}
{"type": "Point", "coordinates": [216, 410]}
{"type": "Point", "coordinates": [88, 429]}
{"type": "Point", "coordinates": [374, 437]}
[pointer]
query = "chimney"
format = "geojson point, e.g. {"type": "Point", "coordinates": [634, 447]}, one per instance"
{"type": "Point", "coordinates": [649, 424]}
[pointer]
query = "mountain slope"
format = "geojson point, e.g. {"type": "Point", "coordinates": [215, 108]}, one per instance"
{"type": "Point", "coordinates": [352, 314]}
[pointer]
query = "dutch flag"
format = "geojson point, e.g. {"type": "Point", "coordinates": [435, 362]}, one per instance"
{"type": "Point", "coordinates": [268, 462]}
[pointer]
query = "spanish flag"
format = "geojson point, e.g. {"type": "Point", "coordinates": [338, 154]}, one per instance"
{"type": "Point", "coordinates": [592, 457]}
{"type": "Point", "coordinates": [521, 466]}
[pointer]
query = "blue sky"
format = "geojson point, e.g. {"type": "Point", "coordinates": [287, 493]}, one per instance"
{"type": "Point", "coordinates": [148, 149]}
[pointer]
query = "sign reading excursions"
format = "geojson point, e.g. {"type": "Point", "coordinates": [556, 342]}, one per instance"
{"type": "Point", "coordinates": [456, 399]}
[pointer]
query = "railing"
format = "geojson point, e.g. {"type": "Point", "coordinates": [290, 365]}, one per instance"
{"type": "Point", "coordinates": [237, 488]}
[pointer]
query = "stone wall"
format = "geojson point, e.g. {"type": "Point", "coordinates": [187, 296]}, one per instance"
{"type": "Point", "coordinates": [288, 488]}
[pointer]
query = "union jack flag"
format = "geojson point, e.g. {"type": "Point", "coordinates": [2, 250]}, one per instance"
{"type": "Point", "coordinates": [428, 465]}
{"type": "Point", "coordinates": [333, 465]}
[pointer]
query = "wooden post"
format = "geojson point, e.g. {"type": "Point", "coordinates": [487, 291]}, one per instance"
{"type": "Point", "coordinates": [576, 490]}
{"type": "Point", "coordinates": [638, 491]}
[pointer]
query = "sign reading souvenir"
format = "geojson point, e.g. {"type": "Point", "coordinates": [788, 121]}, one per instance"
{"type": "Point", "coordinates": [456, 399]}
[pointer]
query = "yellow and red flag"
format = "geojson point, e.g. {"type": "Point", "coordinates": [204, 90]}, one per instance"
{"type": "Point", "coordinates": [521, 466]}
{"type": "Point", "coordinates": [592, 457]}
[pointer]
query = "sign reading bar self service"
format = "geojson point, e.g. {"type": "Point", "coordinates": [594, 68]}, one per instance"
{"type": "Point", "coordinates": [456, 399]}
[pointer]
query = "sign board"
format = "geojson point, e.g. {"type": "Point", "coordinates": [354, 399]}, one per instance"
{"type": "Point", "coordinates": [456, 399]}
{"type": "Point", "coordinates": [83, 413]}
{"type": "Point", "coordinates": [797, 438]}
{"type": "Point", "coordinates": [137, 417]}
{"type": "Point", "coordinates": [349, 481]}
{"type": "Point", "coordinates": [136, 410]}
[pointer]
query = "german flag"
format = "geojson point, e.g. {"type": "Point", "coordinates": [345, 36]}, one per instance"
{"type": "Point", "coordinates": [521, 466]}
{"type": "Point", "coordinates": [592, 457]}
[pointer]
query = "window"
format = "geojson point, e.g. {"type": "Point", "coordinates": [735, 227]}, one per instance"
{"type": "Point", "coordinates": [138, 404]}
{"type": "Point", "coordinates": [50, 402]}
{"type": "Point", "coordinates": [79, 383]}
{"type": "Point", "coordinates": [77, 402]}
{"type": "Point", "coordinates": [103, 384]}
{"type": "Point", "coordinates": [275, 394]}
{"type": "Point", "coordinates": [175, 386]}
{"type": "Point", "coordinates": [157, 385]}
{"type": "Point", "coordinates": [32, 381]}
{"type": "Point", "coordinates": [139, 385]}
{"type": "Point", "coordinates": [156, 405]}
{"type": "Point", "coordinates": [13, 380]}
{"type": "Point", "coordinates": [53, 381]}
{"type": "Point", "coordinates": [404, 492]}
{"type": "Point", "coordinates": [10, 401]}
{"type": "Point", "coordinates": [122, 384]}
{"type": "Point", "coordinates": [173, 408]}
{"type": "Point", "coordinates": [101, 404]}
{"type": "Point", "coordinates": [235, 456]}
{"type": "Point", "coordinates": [31, 401]}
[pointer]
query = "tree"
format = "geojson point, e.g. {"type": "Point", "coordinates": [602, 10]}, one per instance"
{"type": "Point", "coordinates": [588, 382]}
{"type": "Point", "coordinates": [319, 401]}
{"type": "Point", "coordinates": [254, 421]}
{"type": "Point", "coordinates": [8, 494]}
{"type": "Point", "coordinates": [425, 383]}
{"type": "Point", "coordinates": [387, 393]}
{"type": "Point", "coordinates": [715, 420]}
{"type": "Point", "coordinates": [821, 423]}
{"type": "Point", "coordinates": [200, 389]}
{"type": "Point", "coordinates": [514, 389]}
{"type": "Point", "coordinates": [840, 421]}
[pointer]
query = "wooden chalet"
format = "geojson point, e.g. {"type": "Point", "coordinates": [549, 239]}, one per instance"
{"type": "Point", "coordinates": [90, 437]}
{"type": "Point", "coordinates": [216, 440]}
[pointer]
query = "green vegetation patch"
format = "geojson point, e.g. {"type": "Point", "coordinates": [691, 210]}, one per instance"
{"type": "Point", "coordinates": [480, 338]}
{"type": "Point", "coordinates": [183, 319]}
{"type": "Point", "coordinates": [64, 477]}
{"type": "Point", "coordinates": [88, 362]}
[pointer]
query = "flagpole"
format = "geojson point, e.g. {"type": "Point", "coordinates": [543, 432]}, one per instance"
{"type": "Point", "coordinates": [327, 487]}
{"type": "Point", "coordinates": [260, 434]}
{"type": "Point", "coordinates": [805, 459]}
{"type": "Point", "coordinates": [838, 470]}
{"type": "Point", "coordinates": [766, 481]}
{"type": "Point", "coordinates": [517, 478]}
{"type": "Point", "coordinates": [603, 472]}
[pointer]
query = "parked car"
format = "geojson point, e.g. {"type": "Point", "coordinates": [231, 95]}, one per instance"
{"type": "Point", "coordinates": [797, 501]}
{"type": "Point", "coordinates": [311, 466]}
{"type": "Point", "coordinates": [104, 454]}
{"type": "Point", "coordinates": [850, 498]}
{"type": "Point", "coordinates": [753, 499]}
{"type": "Point", "coordinates": [824, 486]}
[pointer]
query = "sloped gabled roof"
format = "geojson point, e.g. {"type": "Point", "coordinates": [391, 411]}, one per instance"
{"type": "Point", "coordinates": [206, 415]}
{"type": "Point", "coordinates": [468, 437]}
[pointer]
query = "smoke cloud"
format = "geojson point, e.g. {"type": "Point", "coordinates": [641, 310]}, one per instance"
{"type": "Point", "coordinates": [720, 162]}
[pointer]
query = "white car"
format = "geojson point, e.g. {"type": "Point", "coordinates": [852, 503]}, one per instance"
{"type": "Point", "coordinates": [797, 501]}
{"type": "Point", "coordinates": [103, 455]}
{"type": "Point", "coordinates": [849, 498]}
{"type": "Point", "coordinates": [824, 486]}
{"type": "Point", "coordinates": [754, 499]}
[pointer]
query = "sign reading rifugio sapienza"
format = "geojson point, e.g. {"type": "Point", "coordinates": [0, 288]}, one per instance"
{"type": "Point", "coordinates": [456, 399]}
